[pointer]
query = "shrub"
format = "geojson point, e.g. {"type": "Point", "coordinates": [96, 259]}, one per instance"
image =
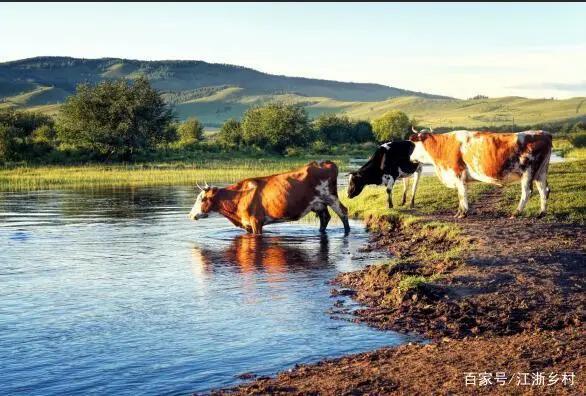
{"type": "Point", "coordinates": [578, 139]}
{"type": "Point", "coordinates": [21, 131]}
{"type": "Point", "coordinates": [190, 131]}
{"type": "Point", "coordinates": [275, 127]}
{"type": "Point", "coordinates": [231, 133]}
{"type": "Point", "coordinates": [334, 129]}
{"type": "Point", "coordinates": [393, 124]}
{"type": "Point", "coordinates": [292, 152]}
{"type": "Point", "coordinates": [320, 147]}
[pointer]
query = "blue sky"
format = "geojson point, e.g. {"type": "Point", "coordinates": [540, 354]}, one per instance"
{"type": "Point", "coordinates": [534, 50]}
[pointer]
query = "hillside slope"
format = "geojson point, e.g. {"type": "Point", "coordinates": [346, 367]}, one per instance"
{"type": "Point", "coordinates": [215, 92]}
{"type": "Point", "coordinates": [65, 73]}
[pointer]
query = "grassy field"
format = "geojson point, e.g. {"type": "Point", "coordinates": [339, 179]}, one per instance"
{"type": "Point", "coordinates": [567, 201]}
{"type": "Point", "coordinates": [232, 102]}
{"type": "Point", "coordinates": [92, 176]}
{"type": "Point", "coordinates": [432, 196]}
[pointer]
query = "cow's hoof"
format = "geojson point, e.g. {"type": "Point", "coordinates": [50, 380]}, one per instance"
{"type": "Point", "coordinates": [514, 215]}
{"type": "Point", "coordinates": [541, 215]}
{"type": "Point", "coordinates": [411, 206]}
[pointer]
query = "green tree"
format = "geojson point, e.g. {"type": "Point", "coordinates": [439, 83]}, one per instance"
{"type": "Point", "coordinates": [275, 126]}
{"type": "Point", "coordinates": [190, 131]}
{"type": "Point", "coordinates": [231, 133]}
{"type": "Point", "coordinates": [363, 132]}
{"type": "Point", "coordinates": [334, 128]}
{"type": "Point", "coordinates": [8, 147]}
{"type": "Point", "coordinates": [18, 131]}
{"type": "Point", "coordinates": [392, 124]}
{"type": "Point", "coordinates": [115, 118]}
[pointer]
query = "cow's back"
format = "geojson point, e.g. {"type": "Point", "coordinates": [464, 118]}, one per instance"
{"type": "Point", "coordinates": [496, 157]}
{"type": "Point", "coordinates": [287, 196]}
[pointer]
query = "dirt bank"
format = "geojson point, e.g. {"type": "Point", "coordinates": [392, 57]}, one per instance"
{"type": "Point", "coordinates": [494, 295]}
{"type": "Point", "coordinates": [506, 276]}
{"type": "Point", "coordinates": [440, 368]}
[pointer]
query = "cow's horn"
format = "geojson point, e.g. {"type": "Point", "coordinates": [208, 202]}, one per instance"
{"type": "Point", "coordinates": [198, 186]}
{"type": "Point", "coordinates": [430, 130]}
{"type": "Point", "coordinates": [207, 187]}
{"type": "Point", "coordinates": [414, 130]}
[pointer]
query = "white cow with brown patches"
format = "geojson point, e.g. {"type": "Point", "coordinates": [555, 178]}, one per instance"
{"type": "Point", "coordinates": [463, 156]}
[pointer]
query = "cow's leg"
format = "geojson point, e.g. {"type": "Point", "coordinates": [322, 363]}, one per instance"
{"type": "Point", "coordinates": [416, 177]}
{"type": "Point", "coordinates": [405, 185]}
{"type": "Point", "coordinates": [525, 193]}
{"type": "Point", "coordinates": [390, 184]}
{"type": "Point", "coordinates": [463, 199]}
{"type": "Point", "coordinates": [541, 184]}
{"type": "Point", "coordinates": [256, 226]}
{"type": "Point", "coordinates": [324, 218]}
{"type": "Point", "coordinates": [342, 212]}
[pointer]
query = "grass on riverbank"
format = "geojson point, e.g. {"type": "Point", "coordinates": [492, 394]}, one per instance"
{"type": "Point", "coordinates": [567, 200]}
{"type": "Point", "coordinates": [96, 176]}
{"type": "Point", "coordinates": [431, 197]}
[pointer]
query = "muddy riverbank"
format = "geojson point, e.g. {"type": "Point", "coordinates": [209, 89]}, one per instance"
{"type": "Point", "coordinates": [493, 294]}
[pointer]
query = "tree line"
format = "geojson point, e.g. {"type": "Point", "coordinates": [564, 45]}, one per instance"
{"type": "Point", "coordinates": [118, 119]}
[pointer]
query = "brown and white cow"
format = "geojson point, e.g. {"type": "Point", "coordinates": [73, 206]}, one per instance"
{"type": "Point", "coordinates": [462, 156]}
{"type": "Point", "coordinates": [256, 202]}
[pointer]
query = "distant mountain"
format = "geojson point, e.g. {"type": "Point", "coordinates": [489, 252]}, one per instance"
{"type": "Point", "coordinates": [215, 92]}
{"type": "Point", "coordinates": [64, 73]}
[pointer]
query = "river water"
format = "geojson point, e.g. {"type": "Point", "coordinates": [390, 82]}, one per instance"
{"type": "Point", "coordinates": [117, 292]}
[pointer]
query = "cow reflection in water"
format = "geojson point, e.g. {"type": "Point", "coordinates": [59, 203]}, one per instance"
{"type": "Point", "coordinates": [252, 253]}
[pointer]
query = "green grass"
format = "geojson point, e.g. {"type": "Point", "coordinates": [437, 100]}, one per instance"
{"type": "Point", "coordinates": [91, 176]}
{"type": "Point", "coordinates": [567, 200]}
{"type": "Point", "coordinates": [409, 282]}
{"type": "Point", "coordinates": [432, 196]}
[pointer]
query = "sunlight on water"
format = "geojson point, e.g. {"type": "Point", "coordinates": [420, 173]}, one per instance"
{"type": "Point", "coordinates": [116, 291]}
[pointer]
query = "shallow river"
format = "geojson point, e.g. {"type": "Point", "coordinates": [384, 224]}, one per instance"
{"type": "Point", "coordinates": [116, 291]}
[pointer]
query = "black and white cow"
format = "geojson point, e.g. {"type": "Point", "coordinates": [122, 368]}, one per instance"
{"type": "Point", "coordinates": [389, 163]}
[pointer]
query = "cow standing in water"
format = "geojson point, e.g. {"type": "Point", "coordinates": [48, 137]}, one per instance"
{"type": "Point", "coordinates": [463, 156]}
{"type": "Point", "coordinates": [256, 202]}
{"type": "Point", "coordinates": [389, 163]}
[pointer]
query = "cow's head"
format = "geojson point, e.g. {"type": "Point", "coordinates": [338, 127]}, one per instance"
{"type": "Point", "coordinates": [356, 183]}
{"type": "Point", "coordinates": [203, 203]}
{"type": "Point", "coordinates": [421, 135]}
{"type": "Point", "coordinates": [419, 153]}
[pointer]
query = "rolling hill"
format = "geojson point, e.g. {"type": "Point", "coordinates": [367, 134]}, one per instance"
{"type": "Point", "coordinates": [216, 92]}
